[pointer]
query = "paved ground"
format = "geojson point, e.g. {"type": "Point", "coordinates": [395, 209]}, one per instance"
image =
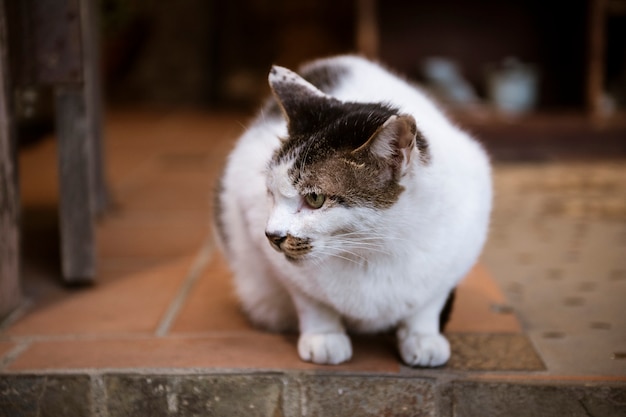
{"type": "Point", "coordinates": [558, 249]}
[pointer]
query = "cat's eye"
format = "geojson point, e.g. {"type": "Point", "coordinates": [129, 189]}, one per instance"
{"type": "Point", "coordinates": [315, 200]}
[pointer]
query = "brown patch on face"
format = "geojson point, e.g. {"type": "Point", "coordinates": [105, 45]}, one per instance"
{"type": "Point", "coordinates": [296, 248]}
{"type": "Point", "coordinates": [352, 180]}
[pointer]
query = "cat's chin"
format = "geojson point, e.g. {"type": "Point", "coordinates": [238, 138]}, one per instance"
{"type": "Point", "coordinates": [295, 259]}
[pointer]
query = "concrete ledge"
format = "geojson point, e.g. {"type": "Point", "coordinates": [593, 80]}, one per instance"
{"type": "Point", "coordinates": [472, 398]}
{"type": "Point", "coordinates": [45, 395]}
{"type": "Point", "coordinates": [169, 393]}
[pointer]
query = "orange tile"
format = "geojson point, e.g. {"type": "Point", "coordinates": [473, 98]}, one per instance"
{"type": "Point", "coordinates": [245, 351]}
{"type": "Point", "coordinates": [124, 218]}
{"type": "Point", "coordinates": [119, 240]}
{"type": "Point", "coordinates": [212, 305]}
{"type": "Point", "coordinates": [152, 132]}
{"type": "Point", "coordinates": [473, 306]}
{"type": "Point", "coordinates": [376, 353]}
{"type": "Point", "coordinates": [132, 302]}
{"type": "Point", "coordinates": [124, 167]}
{"type": "Point", "coordinates": [5, 347]}
{"type": "Point", "coordinates": [166, 195]}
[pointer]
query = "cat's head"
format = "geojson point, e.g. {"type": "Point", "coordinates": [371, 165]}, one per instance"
{"type": "Point", "coordinates": [336, 173]}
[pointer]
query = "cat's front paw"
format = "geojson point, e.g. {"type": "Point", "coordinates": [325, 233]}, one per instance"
{"type": "Point", "coordinates": [424, 349]}
{"type": "Point", "coordinates": [324, 348]}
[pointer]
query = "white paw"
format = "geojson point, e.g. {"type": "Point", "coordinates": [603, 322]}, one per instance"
{"type": "Point", "coordinates": [424, 349]}
{"type": "Point", "coordinates": [324, 348]}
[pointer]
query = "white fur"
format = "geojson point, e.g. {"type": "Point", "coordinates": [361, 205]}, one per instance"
{"type": "Point", "coordinates": [406, 259]}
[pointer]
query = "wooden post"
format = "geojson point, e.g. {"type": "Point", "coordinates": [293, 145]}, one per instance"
{"type": "Point", "coordinates": [81, 166]}
{"type": "Point", "coordinates": [76, 205]}
{"type": "Point", "coordinates": [92, 89]}
{"type": "Point", "coordinates": [9, 197]}
{"type": "Point", "coordinates": [596, 57]}
{"type": "Point", "coordinates": [55, 43]}
{"type": "Point", "coordinates": [367, 34]}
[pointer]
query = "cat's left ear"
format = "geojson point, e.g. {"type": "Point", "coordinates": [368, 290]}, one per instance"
{"type": "Point", "coordinates": [294, 93]}
{"type": "Point", "coordinates": [395, 141]}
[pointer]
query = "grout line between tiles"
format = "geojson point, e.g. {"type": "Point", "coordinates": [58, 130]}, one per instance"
{"type": "Point", "coordinates": [20, 311]}
{"type": "Point", "coordinates": [99, 337]}
{"type": "Point", "coordinates": [199, 264]}
{"type": "Point", "coordinates": [12, 355]}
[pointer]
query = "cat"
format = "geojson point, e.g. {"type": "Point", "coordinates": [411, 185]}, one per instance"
{"type": "Point", "coordinates": [352, 203]}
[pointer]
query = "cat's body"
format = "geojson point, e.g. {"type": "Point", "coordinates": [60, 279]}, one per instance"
{"type": "Point", "coordinates": [373, 212]}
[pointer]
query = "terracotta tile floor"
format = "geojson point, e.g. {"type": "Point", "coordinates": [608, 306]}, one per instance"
{"type": "Point", "coordinates": [162, 297]}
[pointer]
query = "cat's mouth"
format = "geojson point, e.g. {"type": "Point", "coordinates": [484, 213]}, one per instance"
{"type": "Point", "coordinates": [294, 248]}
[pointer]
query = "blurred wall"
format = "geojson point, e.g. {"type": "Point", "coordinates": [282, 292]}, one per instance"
{"type": "Point", "coordinates": [212, 52]}
{"type": "Point", "coordinates": [157, 52]}
{"type": "Point", "coordinates": [190, 52]}
{"type": "Point", "coordinates": [478, 34]}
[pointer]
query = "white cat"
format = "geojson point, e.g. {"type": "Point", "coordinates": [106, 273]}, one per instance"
{"type": "Point", "coordinates": [351, 202]}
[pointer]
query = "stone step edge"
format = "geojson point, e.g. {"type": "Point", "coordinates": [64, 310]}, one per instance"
{"type": "Point", "coordinates": [294, 394]}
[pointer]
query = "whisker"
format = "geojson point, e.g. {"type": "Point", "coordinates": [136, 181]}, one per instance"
{"type": "Point", "coordinates": [337, 255]}
{"type": "Point", "coordinates": [369, 235]}
{"type": "Point", "coordinates": [374, 245]}
{"type": "Point", "coordinates": [363, 247]}
{"type": "Point", "coordinates": [351, 250]}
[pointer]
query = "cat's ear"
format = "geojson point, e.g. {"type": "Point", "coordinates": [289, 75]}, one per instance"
{"type": "Point", "coordinates": [395, 141]}
{"type": "Point", "coordinates": [294, 93]}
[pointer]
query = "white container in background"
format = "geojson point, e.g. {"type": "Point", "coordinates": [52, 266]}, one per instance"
{"type": "Point", "coordinates": [512, 87]}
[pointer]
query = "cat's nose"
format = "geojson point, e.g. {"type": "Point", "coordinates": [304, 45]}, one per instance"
{"type": "Point", "coordinates": [276, 240]}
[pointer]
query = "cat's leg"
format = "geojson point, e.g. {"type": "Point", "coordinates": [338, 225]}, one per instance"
{"type": "Point", "coordinates": [419, 339]}
{"type": "Point", "coordinates": [323, 338]}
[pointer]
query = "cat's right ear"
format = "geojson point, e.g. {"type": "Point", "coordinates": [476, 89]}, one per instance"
{"type": "Point", "coordinates": [397, 141]}
{"type": "Point", "coordinates": [293, 93]}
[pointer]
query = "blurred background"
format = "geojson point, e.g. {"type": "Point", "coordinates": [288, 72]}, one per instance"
{"type": "Point", "coordinates": [489, 62]}
{"type": "Point", "coordinates": [217, 53]}
{"type": "Point", "coordinates": [541, 83]}
{"type": "Point", "coordinates": [198, 52]}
